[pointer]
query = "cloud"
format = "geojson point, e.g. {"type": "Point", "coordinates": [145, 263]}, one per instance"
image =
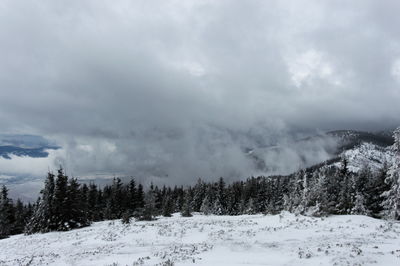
{"type": "Point", "coordinates": [28, 166]}
{"type": "Point", "coordinates": [177, 89]}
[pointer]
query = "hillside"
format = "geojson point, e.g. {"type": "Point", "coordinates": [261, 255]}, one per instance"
{"type": "Point", "coordinates": [283, 239]}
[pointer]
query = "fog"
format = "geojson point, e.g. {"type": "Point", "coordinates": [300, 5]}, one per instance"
{"type": "Point", "coordinates": [177, 90]}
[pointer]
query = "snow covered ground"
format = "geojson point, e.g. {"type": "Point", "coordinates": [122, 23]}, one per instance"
{"type": "Point", "coordinates": [283, 239]}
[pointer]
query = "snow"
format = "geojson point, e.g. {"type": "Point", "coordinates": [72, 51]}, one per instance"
{"type": "Point", "coordinates": [283, 239]}
{"type": "Point", "coordinates": [367, 154]}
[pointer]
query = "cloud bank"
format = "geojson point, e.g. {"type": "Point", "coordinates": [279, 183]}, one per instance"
{"type": "Point", "coordinates": [177, 89]}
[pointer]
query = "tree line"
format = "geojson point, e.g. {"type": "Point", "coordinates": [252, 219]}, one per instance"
{"type": "Point", "coordinates": [65, 204]}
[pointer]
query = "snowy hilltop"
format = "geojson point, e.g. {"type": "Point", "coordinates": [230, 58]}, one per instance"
{"type": "Point", "coordinates": [284, 239]}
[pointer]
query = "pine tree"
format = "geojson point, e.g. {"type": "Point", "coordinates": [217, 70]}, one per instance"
{"type": "Point", "coordinates": [344, 199]}
{"type": "Point", "coordinates": [391, 203]}
{"type": "Point", "coordinates": [43, 216]}
{"type": "Point", "coordinates": [148, 212]}
{"type": "Point", "coordinates": [132, 196]}
{"type": "Point", "coordinates": [186, 209]}
{"type": "Point", "coordinates": [262, 197]}
{"type": "Point", "coordinates": [20, 218]}
{"type": "Point", "coordinates": [234, 196]}
{"type": "Point", "coordinates": [167, 207]}
{"type": "Point", "coordinates": [293, 200]}
{"type": "Point", "coordinates": [118, 200]}
{"type": "Point", "coordinates": [375, 190]}
{"type": "Point", "coordinates": [206, 205]}
{"type": "Point", "coordinates": [199, 192]}
{"type": "Point", "coordinates": [359, 205]}
{"type": "Point", "coordinates": [93, 203]}
{"type": "Point", "coordinates": [6, 214]}
{"type": "Point", "coordinates": [84, 199]}
{"type": "Point", "coordinates": [180, 197]}
{"type": "Point", "coordinates": [140, 196]}
{"type": "Point", "coordinates": [60, 202]}
{"type": "Point", "coordinates": [250, 207]}
{"type": "Point", "coordinates": [322, 204]}
{"type": "Point", "coordinates": [361, 181]}
{"type": "Point", "coordinates": [333, 189]}
{"type": "Point", "coordinates": [220, 204]}
{"type": "Point", "coordinates": [76, 216]}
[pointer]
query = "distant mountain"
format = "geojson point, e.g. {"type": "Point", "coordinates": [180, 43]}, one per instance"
{"type": "Point", "coordinates": [25, 145]}
{"type": "Point", "coordinates": [349, 139]}
{"type": "Point", "coordinates": [360, 149]}
{"type": "Point", "coordinates": [322, 149]}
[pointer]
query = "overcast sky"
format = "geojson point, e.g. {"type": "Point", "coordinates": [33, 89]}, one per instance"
{"type": "Point", "coordinates": [177, 88]}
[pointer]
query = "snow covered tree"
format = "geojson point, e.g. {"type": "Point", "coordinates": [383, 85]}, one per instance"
{"type": "Point", "coordinates": [375, 190]}
{"type": "Point", "coordinates": [292, 201]}
{"type": "Point", "coordinates": [219, 204]}
{"type": "Point", "coordinates": [391, 203]}
{"type": "Point", "coordinates": [206, 207]}
{"type": "Point", "coordinates": [43, 217]}
{"type": "Point", "coordinates": [199, 192]}
{"type": "Point", "coordinates": [186, 208]}
{"type": "Point", "coordinates": [251, 207]}
{"type": "Point", "coordinates": [321, 202]}
{"type": "Point", "coordinates": [167, 207]}
{"type": "Point", "coordinates": [396, 137]}
{"type": "Point", "coordinates": [360, 182]}
{"type": "Point", "coordinates": [148, 212]}
{"type": "Point", "coordinates": [262, 197]}
{"type": "Point", "coordinates": [234, 198]}
{"type": "Point", "coordinates": [359, 205]}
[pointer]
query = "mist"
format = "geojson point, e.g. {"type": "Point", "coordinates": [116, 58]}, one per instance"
{"type": "Point", "coordinates": [174, 91]}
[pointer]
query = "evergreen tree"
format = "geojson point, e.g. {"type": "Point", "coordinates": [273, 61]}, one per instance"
{"type": "Point", "coordinates": [319, 202]}
{"type": "Point", "coordinates": [43, 216]}
{"type": "Point", "coordinates": [391, 203]}
{"type": "Point", "coordinates": [117, 202]}
{"type": "Point", "coordinates": [199, 192]}
{"type": "Point", "coordinates": [20, 218]}
{"type": "Point", "coordinates": [206, 205]}
{"type": "Point", "coordinates": [375, 190]}
{"type": "Point", "coordinates": [361, 181]}
{"type": "Point", "coordinates": [76, 216]}
{"type": "Point", "coordinates": [140, 196]}
{"type": "Point", "coordinates": [167, 207]}
{"type": "Point", "coordinates": [6, 214]}
{"type": "Point", "coordinates": [186, 208]}
{"type": "Point", "coordinates": [234, 196]}
{"type": "Point", "coordinates": [262, 198]}
{"type": "Point", "coordinates": [293, 200]}
{"type": "Point", "coordinates": [148, 212]}
{"type": "Point", "coordinates": [60, 203]}
{"type": "Point", "coordinates": [220, 202]}
{"type": "Point", "coordinates": [93, 210]}
{"type": "Point", "coordinates": [344, 204]}
{"type": "Point", "coordinates": [359, 205]}
{"type": "Point", "coordinates": [132, 196]}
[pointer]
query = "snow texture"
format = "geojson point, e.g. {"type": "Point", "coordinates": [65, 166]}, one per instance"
{"type": "Point", "coordinates": [368, 154]}
{"type": "Point", "coordinates": [283, 239]}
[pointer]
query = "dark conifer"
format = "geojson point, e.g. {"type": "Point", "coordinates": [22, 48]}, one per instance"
{"type": "Point", "coordinates": [6, 214]}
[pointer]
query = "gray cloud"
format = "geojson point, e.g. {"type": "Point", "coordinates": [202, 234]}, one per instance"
{"type": "Point", "coordinates": [177, 88]}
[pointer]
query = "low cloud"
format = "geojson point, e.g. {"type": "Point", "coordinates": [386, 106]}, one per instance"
{"type": "Point", "coordinates": [176, 90]}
